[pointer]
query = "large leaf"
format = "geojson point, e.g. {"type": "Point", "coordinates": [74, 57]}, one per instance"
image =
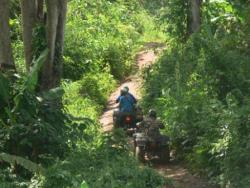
{"type": "Point", "coordinates": [53, 94]}
{"type": "Point", "coordinates": [27, 164]}
{"type": "Point", "coordinates": [84, 185]}
{"type": "Point", "coordinates": [32, 78]}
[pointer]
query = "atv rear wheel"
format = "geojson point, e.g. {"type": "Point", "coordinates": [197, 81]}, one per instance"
{"type": "Point", "coordinates": [164, 154]}
{"type": "Point", "coordinates": [115, 122]}
{"type": "Point", "coordinates": [139, 154]}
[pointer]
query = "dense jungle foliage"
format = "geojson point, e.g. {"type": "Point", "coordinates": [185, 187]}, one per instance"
{"type": "Point", "coordinates": [200, 87]}
{"type": "Point", "coordinates": [47, 143]}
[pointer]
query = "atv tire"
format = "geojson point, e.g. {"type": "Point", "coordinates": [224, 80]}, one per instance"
{"type": "Point", "coordinates": [165, 154]}
{"type": "Point", "coordinates": [115, 122]}
{"type": "Point", "coordinates": [139, 153]}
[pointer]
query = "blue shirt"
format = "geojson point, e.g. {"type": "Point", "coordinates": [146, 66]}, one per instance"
{"type": "Point", "coordinates": [130, 95]}
{"type": "Point", "coordinates": [126, 103]}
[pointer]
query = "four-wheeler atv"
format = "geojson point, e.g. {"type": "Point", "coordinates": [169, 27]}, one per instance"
{"type": "Point", "coordinates": [127, 121]}
{"type": "Point", "coordinates": [145, 145]}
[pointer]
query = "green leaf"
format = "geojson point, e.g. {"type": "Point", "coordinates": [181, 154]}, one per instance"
{"type": "Point", "coordinates": [32, 78]}
{"type": "Point", "coordinates": [84, 185]}
{"type": "Point", "coordinates": [53, 94]}
{"type": "Point", "coordinates": [27, 164]}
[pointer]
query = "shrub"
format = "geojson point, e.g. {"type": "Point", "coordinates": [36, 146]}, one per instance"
{"type": "Point", "coordinates": [108, 164]}
{"type": "Point", "coordinates": [201, 91]}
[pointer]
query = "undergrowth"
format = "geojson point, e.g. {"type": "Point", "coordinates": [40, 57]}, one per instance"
{"type": "Point", "coordinates": [200, 89]}
{"type": "Point", "coordinates": [104, 162]}
{"type": "Point", "coordinates": [59, 129]}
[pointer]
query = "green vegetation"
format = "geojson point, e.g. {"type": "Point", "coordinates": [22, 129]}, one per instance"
{"type": "Point", "coordinates": [104, 35]}
{"type": "Point", "coordinates": [103, 162]}
{"type": "Point", "coordinates": [55, 82]}
{"type": "Point", "coordinates": [53, 138]}
{"type": "Point", "coordinates": [201, 88]}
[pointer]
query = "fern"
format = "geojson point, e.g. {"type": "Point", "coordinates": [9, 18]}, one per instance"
{"type": "Point", "coordinates": [27, 164]}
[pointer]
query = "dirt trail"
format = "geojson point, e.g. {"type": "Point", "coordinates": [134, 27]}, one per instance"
{"type": "Point", "coordinates": [181, 177]}
{"type": "Point", "coordinates": [144, 58]}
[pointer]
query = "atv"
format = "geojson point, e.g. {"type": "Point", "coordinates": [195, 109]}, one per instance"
{"type": "Point", "coordinates": [143, 145]}
{"type": "Point", "coordinates": [127, 121]}
{"type": "Point", "coordinates": [123, 120]}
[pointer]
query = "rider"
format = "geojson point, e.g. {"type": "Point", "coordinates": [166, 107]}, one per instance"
{"type": "Point", "coordinates": [125, 102]}
{"type": "Point", "coordinates": [151, 126]}
{"type": "Point", "coordinates": [126, 91]}
{"type": "Point", "coordinates": [126, 106]}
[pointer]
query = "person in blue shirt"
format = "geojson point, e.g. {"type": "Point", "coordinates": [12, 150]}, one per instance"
{"type": "Point", "coordinates": [131, 95]}
{"type": "Point", "coordinates": [125, 90]}
{"type": "Point", "coordinates": [126, 106]}
{"type": "Point", "coordinates": [126, 102]}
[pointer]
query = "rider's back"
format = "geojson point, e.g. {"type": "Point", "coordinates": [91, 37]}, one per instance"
{"type": "Point", "coordinates": [152, 127]}
{"type": "Point", "coordinates": [126, 104]}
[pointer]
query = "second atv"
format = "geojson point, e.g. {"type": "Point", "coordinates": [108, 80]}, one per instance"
{"type": "Point", "coordinates": [143, 145]}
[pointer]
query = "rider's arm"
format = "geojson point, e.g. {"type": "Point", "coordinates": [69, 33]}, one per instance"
{"type": "Point", "coordinates": [118, 99]}
{"type": "Point", "coordinates": [133, 98]}
{"type": "Point", "coordinates": [160, 124]}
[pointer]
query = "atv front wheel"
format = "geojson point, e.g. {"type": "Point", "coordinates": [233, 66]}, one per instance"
{"type": "Point", "coordinates": [139, 154]}
{"type": "Point", "coordinates": [115, 122]}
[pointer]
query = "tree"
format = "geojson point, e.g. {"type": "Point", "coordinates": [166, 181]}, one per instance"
{"type": "Point", "coordinates": [195, 16]}
{"type": "Point", "coordinates": [29, 16]}
{"type": "Point", "coordinates": [32, 13]}
{"type": "Point", "coordinates": [52, 69]}
{"type": "Point", "coordinates": [6, 56]}
{"type": "Point", "coordinates": [183, 17]}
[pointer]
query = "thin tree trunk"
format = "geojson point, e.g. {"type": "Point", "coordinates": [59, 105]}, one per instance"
{"type": "Point", "coordinates": [29, 15]}
{"type": "Point", "coordinates": [58, 63]}
{"type": "Point", "coordinates": [6, 56]}
{"type": "Point", "coordinates": [189, 19]}
{"type": "Point", "coordinates": [52, 69]}
{"type": "Point", "coordinates": [52, 19]}
{"type": "Point", "coordinates": [40, 13]}
{"type": "Point", "coordinates": [196, 15]}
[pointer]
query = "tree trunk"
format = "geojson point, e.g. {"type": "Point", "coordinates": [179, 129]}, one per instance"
{"type": "Point", "coordinates": [52, 69]}
{"type": "Point", "coordinates": [40, 13]}
{"type": "Point", "coordinates": [189, 19]}
{"type": "Point", "coordinates": [29, 15]}
{"type": "Point", "coordinates": [6, 56]}
{"type": "Point", "coordinates": [195, 15]}
{"type": "Point", "coordinates": [58, 63]}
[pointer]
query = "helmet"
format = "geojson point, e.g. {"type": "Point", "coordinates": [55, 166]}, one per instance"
{"type": "Point", "coordinates": [123, 91]}
{"type": "Point", "coordinates": [126, 88]}
{"type": "Point", "coordinates": [152, 113]}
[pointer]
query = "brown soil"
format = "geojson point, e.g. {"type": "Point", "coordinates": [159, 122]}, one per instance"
{"type": "Point", "coordinates": [181, 177]}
